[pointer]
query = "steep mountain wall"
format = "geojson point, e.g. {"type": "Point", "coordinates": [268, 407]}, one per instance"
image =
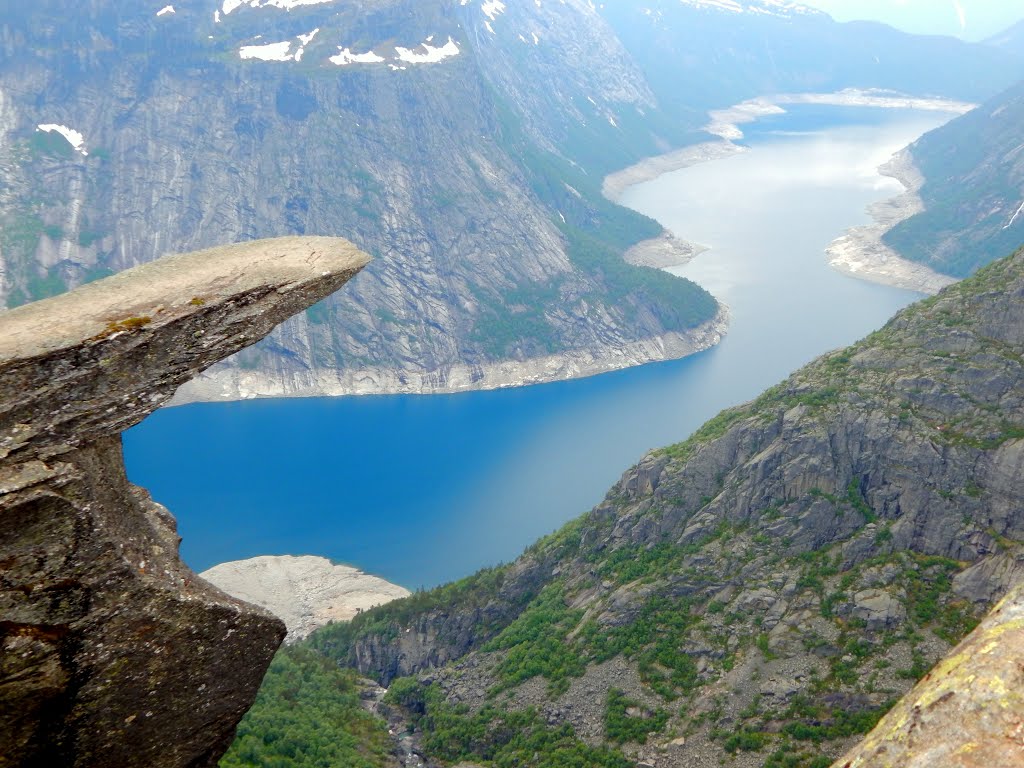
{"type": "Point", "coordinates": [463, 144]}
{"type": "Point", "coordinates": [112, 652]}
{"type": "Point", "coordinates": [772, 585]}
{"type": "Point", "coordinates": [973, 189]}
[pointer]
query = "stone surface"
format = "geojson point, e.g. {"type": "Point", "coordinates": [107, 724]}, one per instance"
{"type": "Point", "coordinates": [968, 712]}
{"type": "Point", "coordinates": [304, 592]}
{"type": "Point", "coordinates": [811, 553]}
{"type": "Point", "coordinates": [112, 652]}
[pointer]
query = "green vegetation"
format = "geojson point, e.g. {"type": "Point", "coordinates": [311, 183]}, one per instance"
{"type": "Point", "coordinates": [51, 144]}
{"type": "Point", "coordinates": [127, 324]}
{"type": "Point", "coordinates": [653, 641]}
{"type": "Point", "coordinates": [818, 722]}
{"type": "Point", "coordinates": [972, 188]}
{"type": "Point", "coordinates": [474, 591]}
{"type": "Point", "coordinates": [536, 643]}
{"type": "Point", "coordinates": [502, 739]}
{"type": "Point", "coordinates": [679, 304]}
{"type": "Point", "coordinates": [308, 715]}
{"type": "Point", "coordinates": [620, 726]}
{"type": "Point", "coordinates": [597, 234]}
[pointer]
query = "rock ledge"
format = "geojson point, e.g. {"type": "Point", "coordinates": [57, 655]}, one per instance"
{"type": "Point", "coordinates": [112, 652]}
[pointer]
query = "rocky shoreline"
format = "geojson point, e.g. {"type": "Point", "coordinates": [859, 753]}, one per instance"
{"type": "Point", "coordinates": [861, 252]}
{"type": "Point", "coordinates": [238, 384]}
{"type": "Point", "coordinates": [305, 592]}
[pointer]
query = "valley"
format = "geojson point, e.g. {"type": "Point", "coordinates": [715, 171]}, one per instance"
{"type": "Point", "coordinates": [407, 523]}
{"type": "Point", "coordinates": [483, 474]}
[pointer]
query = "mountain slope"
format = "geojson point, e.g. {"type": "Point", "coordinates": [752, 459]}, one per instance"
{"type": "Point", "coordinates": [416, 130]}
{"type": "Point", "coordinates": [767, 588]}
{"type": "Point", "coordinates": [973, 191]}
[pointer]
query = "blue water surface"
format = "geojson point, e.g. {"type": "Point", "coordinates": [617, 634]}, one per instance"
{"type": "Point", "coordinates": [425, 489]}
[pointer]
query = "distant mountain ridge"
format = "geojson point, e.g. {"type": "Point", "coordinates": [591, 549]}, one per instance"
{"type": "Point", "coordinates": [417, 131]}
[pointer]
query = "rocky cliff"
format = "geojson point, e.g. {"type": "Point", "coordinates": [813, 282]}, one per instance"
{"type": "Point", "coordinates": [766, 589]}
{"type": "Point", "coordinates": [417, 130]}
{"type": "Point", "coordinates": [112, 652]}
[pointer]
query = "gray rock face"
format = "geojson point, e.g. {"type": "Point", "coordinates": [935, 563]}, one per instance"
{"type": "Point", "coordinates": [469, 182]}
{"type": "Point", "coordinates": [419, 163]}
{"type": "Point", "coordinates": [800, 559]}
{"type": "Point", "coordinates": [878, 609]}
{"type": "Point", "coordinates": [973, 210]}
{"type": "Point", "coordinates": [966, 713]}
{"type": "Point", "coordinates": [112, 652]}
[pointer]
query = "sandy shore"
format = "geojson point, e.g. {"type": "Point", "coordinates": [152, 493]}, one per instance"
{"type": "Point", "coordinates": [652, 167]}
{"type": "Point", "coordinates": [661, 252]}
{"type": "Point", "coordinates": [304, 592]}
{"type": "Point", "coordinates": [861, 252]}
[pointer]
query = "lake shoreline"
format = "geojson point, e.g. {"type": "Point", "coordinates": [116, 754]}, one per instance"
{"type": "Point", "coordinates": [860, 251]}
{"type": "Point", "coordinates": [231, 384]}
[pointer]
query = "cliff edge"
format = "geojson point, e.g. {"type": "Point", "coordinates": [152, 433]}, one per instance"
{"type": "Point", "coordinates": [112, 652]}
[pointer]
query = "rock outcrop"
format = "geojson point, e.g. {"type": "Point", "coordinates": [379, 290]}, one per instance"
{"type": "Point", "coordinates": [787, 573]}
{"type": "Point", "coordinates": [305, 592]}
{"type": "Point", "coordinates": [112, 652]}
{"type": "Point", "coordinates": [968, 712]}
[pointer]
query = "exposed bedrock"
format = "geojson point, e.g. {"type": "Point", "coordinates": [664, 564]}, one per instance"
{"type": "Point", "coordinates": [113, 651]}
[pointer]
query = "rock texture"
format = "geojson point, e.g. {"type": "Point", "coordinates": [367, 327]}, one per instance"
{"type": "Point", "coordinates": [968, 712]}
{"type": "Point", "coordinates": [111, 651]}
{"type": "Point", "coordinates": [304, 592]}
{"type": "Point", "coordinates": [498, 260]}
{"type": "Point", "coordinates": [787, 573]}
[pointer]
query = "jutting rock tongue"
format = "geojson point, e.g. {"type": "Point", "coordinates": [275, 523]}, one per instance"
{"type": "Point", "coordinates": [112, 652]}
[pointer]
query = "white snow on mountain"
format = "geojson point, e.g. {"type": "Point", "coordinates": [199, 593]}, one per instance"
{"type": "Point", "coordinates": [287, 5]}
{"type": "Point", "coordinates": [345, 56]}
{"type": "Point", "coordinates": [268, 52]}
{"type": "Point", "coordinates": [782, 8]}
{"type": "Point", "coordinates": [430, 55]}
{"type": "Point", "coordinates": [75, 138]}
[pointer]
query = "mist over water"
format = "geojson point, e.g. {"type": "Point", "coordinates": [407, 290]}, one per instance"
{"type": "Point", "coordinates": [425, 489]}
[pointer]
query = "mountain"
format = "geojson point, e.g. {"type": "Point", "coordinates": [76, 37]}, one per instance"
{"type": "Point", "coordinates": [419, 132]}
{"type": "Point", "coordinates": [1011, 39]}
{"type": "Point", "coordinates": [766, 589]}
{"type": "Point", "coordinates": [973, 191]}
{"type": "Point", "coordinates": [705, 54]}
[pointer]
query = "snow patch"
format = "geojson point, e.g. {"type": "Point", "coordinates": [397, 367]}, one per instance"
{"type": "Point", "coordinates": [286, 5]}
{"type": "Point", "coordinates": [492, 8]}
{"type": "Point", "coordinates": [345, 56]}
{"type": "Point", "coordinates": [782, 8]}
{"type": "Point", "coordinates": [268, 52]}
{"type": "Point", "coordinates": [75, 138]}
{"type": "Point", "coordinates": [432, 55]}
{"type": "Point", "coordinates": [1015, 216]}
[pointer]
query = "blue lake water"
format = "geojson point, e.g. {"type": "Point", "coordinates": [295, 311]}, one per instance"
{"type": "Point", "coordinates": [422, 490]}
